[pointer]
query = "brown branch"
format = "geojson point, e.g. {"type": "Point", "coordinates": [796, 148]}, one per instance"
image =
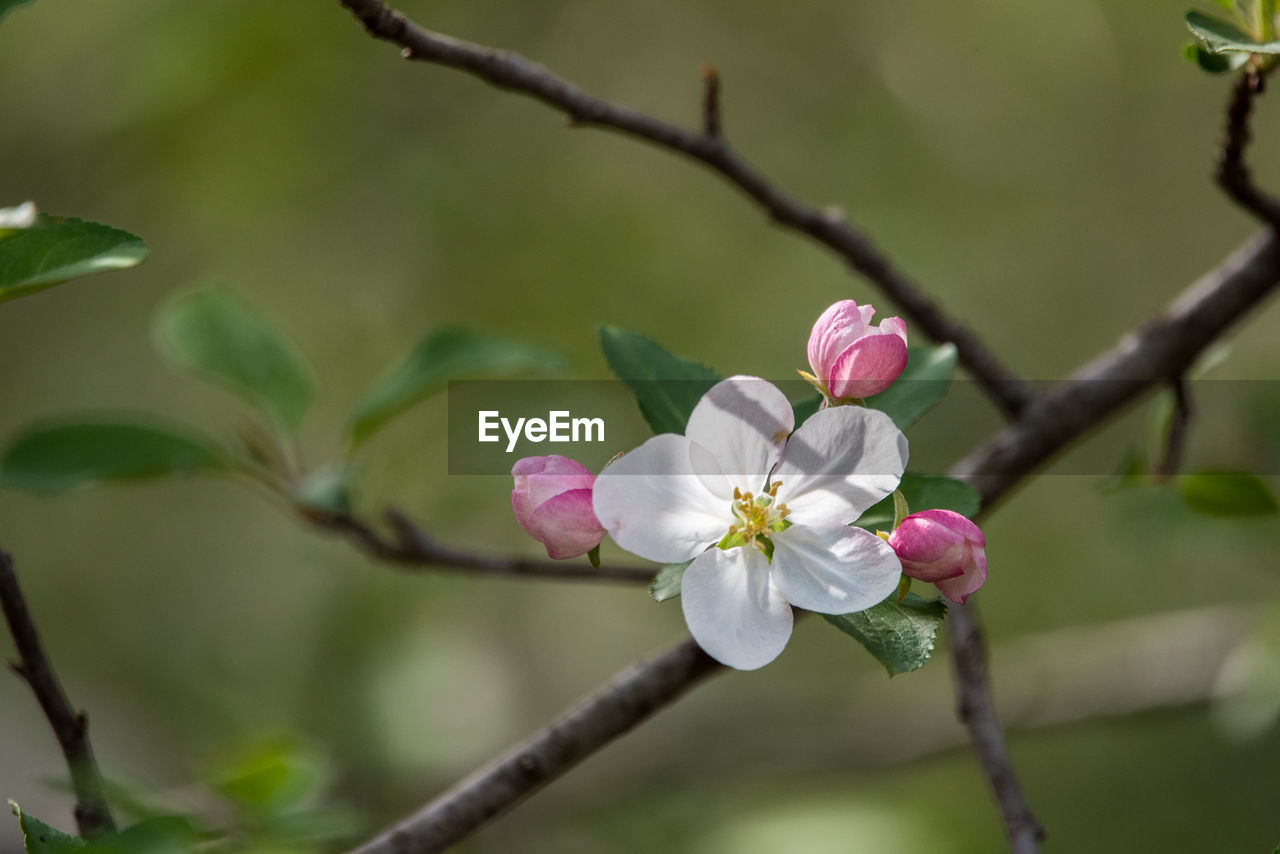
{"type": "Point", "coordinates": [511, 71]}
{"type": "Point", "coordinates": [411, 546]}
{"type": "Point", "coordinates": [633, 696]}
{"type": "Point", "coordinates": [71, 728]}
{"type": "Point", "coordinates": [1160, 350]}
{"type": "Point", "coordinates": [1233, 173]}
{"type": "Point", "coordinates": [975, 707]}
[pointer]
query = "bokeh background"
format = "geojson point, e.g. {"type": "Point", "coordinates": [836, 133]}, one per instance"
{"type": "Point", "coordinates": [1042, 168]}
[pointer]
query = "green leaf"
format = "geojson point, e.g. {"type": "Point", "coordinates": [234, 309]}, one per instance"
{"type": "Point", "coordinates": [1222, 36]}
{"type": "Point", "coordinates": [1214, 63]}
{"type": "Point", "coordinates": [921, 385]}
{"type": "Point", "coordinates": [900, 635]}
{"type": "Point", "coordinates": [667, 583]}
{"type": "Point", "coordinates": [39, 837]}
{"type": "Point", "coordinates": [270, 778]}
{"type": "Point", "coordinates": [55, 250]}
{"type": "Point", "coordinates": [1227, 493]}
{"type": "Point", "coordinates": [217, 336]}
{"type": "Point", "coordinates": [56, 457]}
{"type": "Point", "coordinates": [8, 5]}
{"type": "Point", "coordinates": [171, 834]}
{"type": "Point", "coordinates": [666, 386]}
{"type": "Point", "coordinates": [924, 492]}
{"type": "Point", "coordinates": [445, 354]}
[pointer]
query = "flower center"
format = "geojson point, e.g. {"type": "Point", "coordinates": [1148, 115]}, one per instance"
{"type": "Point", "coordinates": [757, 517]}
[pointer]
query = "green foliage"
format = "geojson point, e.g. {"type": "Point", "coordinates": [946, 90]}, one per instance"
{"type": "Point", "coordinates": [1227, 493]}
{"type": "Point", "coordinates": [666, 386]}
{"type": "Point", "coordinates": [170, 834]}
{"type": "Point", "coordinates": [924, 492]}
{"type": "Point", "coordinates": [667, 583]}
{"type": "Point", "coordinates": [217, 336]}
{"type": "Point", "coordinates": [1219, 36]}
{"type": "Point", "coordinates": [56, 250]}
{"type": "Point", "coordinates": [921, 386]}
{"type": "Point", "coordinates": [269, 778]}
{"type": "Point", "coordinates": [443, 355]}
{"type": "Point", "coordinates": [9, 5]}
{"type": "Point", "coordinates": [56, 457]}
{"type": "Point", "coordinates": [900, 635]}
{"type": "Point", "coordinates": [40, 838]}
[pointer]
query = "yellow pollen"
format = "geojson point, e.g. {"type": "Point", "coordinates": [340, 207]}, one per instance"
{"type": "Point", "coordinates": [757, 517]}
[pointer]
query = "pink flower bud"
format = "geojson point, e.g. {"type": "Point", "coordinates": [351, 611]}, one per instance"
{"type": "Point", "coordinates": [851, 357]}
{"type": "Point", "coordinates": [944, 548]}
{"type": "Point", "coordinates": [552, 502]}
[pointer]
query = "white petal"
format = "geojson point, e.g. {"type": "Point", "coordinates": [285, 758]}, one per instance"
{"type": "Point", "coordinates": [732, 609]}
{"type": "Point", "coordinates": [745, 422]}
{"type": "Point", "coordinates": [835, 570]}
{"type": "Point", "coordinates": [838, 463]}
{"type": "Point", "coordinates": [654, 502]}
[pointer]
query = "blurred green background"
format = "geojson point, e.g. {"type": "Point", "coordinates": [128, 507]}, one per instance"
{"type": "Point", "coordinates": [1042, 168]}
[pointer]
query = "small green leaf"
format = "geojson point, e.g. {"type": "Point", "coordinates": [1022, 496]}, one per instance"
{"type": "Point", "coordinates": [219, 337]}
{"type": "Point", "coordinates": [901, 508]}
{"type": "Point", "coordinates": [1214, 63]}
{"type": "Point", "coordinates": [56, 457]}
{"type": "Point", "coordinates": [666, 386]}
{"type": "Point", "coordinates": [270, 778]}
{"type": "Point", "coordinates": [924, 492]}
{"type": "Point", "coordinates": [1227, 493]}
{"type": "Point", "coordinates": [8, 5]}
{"type": "Point", "coordinates": [593, 557]}
{"type": "Point", "coordinates": [921, 385]}
{"type": "Point", "coordinates": [1222, 36]}
{"type": "Point", "coordinates": [40, 838]}
{"type": "Point", "coordinates": [667, 584]}
{"type": "Point", "coordinates": [1132, 471]}
{"type": "Point", "coordinates": [55, 250]}
{"type": "Point", "coordinates": [900, 635]}
{"type": "Point", "coordinates": [446, 354]}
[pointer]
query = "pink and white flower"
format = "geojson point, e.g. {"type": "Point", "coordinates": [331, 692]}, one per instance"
{"type": "Point", "coordinates": [762, 512]}
{"type": "Point", "coordinates": [945, 548]}
{"type": "Point", "coordinates": [552, 502]}
{"type": "Point", "coordinates": [853, 359]}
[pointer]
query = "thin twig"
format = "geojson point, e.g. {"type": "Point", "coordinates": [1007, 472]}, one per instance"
{"type": "Point", "coordinates": [511, 71]}
{"type": "Point", "coordinates": [1175, 438]}
{"type": "Point", "coordinates": [71, 728]}
{"type": "Point", "coordinates": [1233, 173]}
{"type": "Point", "coordinates": [976, 709]}
{"type": "Point", "coordinates": [712, 127]}
{"type": "Point", "coordinates": [636, 694]}
{"type": "Point", "coordinates": [411, 546]}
